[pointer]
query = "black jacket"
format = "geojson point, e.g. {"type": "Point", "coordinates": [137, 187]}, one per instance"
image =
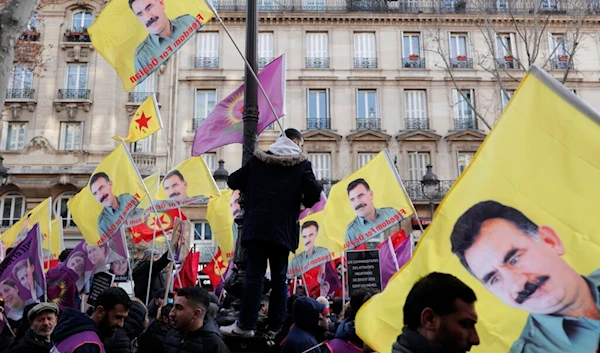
{"type": "Point", "coordinates": [151, 340]}
{"type": "Point", "coordinates": [140, 276]}
{"type": "Point", "coordinates": [274, 186]}
{"type": "Point", "coordinates": [72, 322]}
{"type": "Point", "coordinates": [411, 341]}
{"type": "Point", "coordinates": [31, 344]}
{"type": "Point", "coordinates": [124, 340]}
{"type": "Point", "coordinates": [205, 340]}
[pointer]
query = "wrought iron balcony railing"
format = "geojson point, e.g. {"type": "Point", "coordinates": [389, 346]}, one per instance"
{"type": "Point", "coordinates": [368, 124]}
{"type": "Point", "coordinates": [460, 63]}
{"type": "Point", "coordinates": [317, 63]}
{"type": "Point", "coordinates": [414, 63]}
{"type": "Point", "coordinates": [21, 93]}
{"type": "Point", "coordinates": [196, 123]}
{"type": "Point", "coordinates": [365, 63]}
{"type": "Point", "coordinates": [417, 124]}
{"type": "Point", "coordinates": [560, 63]}
{"type": "Point", "coordinates": [73, 94]}
{"type": "Point", "coordinates": [264, 61]}
{"type": "Point", "coordinates": [140, 97]}
{"type": "Point", "coordinates": [318, 123]}
{"type": "Point", "coordinates": [508, 63]}
{"type": "Point", "coordinates": [77, 36]}
{"type": "Point", "coordinates": [414, 189]}
{"type": "Point", "coordinates": [207, 63]}
{"type": "Point", "coordinates": [465, 123]}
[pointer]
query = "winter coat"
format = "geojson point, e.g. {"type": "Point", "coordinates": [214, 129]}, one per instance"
{"type": "Point", "coordinates": [275, 183]}
{"type": "Point", "coordinates": [73, 322]}
{"type": "Point", "coordinates": [6, 340]}
{"type": "Point", "coordinates": [151, 340]}
{"type": "Point", "coordinates": [125, 340]}
{"type": "Point", "coordinates": [118, 342]}
{"type": "Point", "coordinates": [31, 344]}
{"type": "Point", "coordinates": [411, 341]}
{"type": "Point", "coordinates": [306, 323]}
{"type": "Point", "coordinates": [346, 340]}
{"type": "Point", "coordinates": [140, 277]}
{"type": "Point", "coordinates": [205, 340]}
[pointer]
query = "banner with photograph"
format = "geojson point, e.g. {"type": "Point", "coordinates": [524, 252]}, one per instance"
{"type": "Point", "coordinates": [18, 232]}
{"type": "Point", "coordinates": [137, 37]}
{"type": "Point", "coordinates": [141, 212]}
{"type": "Point", "coordinates": [22, 280]}
{"type": "Point", "coordinates": [112, 193]}
{"type": "Point", "coordinates": [181, 239]}
{"type": "Point", "coordinates": [520, 227]}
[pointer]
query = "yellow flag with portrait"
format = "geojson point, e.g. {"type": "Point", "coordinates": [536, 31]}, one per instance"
{"type": "Point", "coordinates": [53, 245]}
{"type": "Point", "coordinates": [41, 214]}
{"type": "Point", "coordinates": [519, 227]}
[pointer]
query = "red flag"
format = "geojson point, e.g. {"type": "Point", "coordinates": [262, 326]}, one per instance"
{"type": "Point", "coordinates": [188, 273]}
{"type": "Point", "coordinates": [215, 269]}
{"type": "Point", "coordinates": [145, 231]}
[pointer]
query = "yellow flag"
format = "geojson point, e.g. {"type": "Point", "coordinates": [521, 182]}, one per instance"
{"type": "Point", "coordinates": [524, 218]}
{"type": "Point", "coordinates": [220, 217]}
{"type": "Point", "coordinates": [152, 183]}
{"type": "Point", "coordinates": [366, 204]}
{"type": "Point", "coordinates": [52, 246]}
{"type": "Point", "coordinates": [113, 192]}
{"type": "Point", "coordinates": [18, 232]}
{"type": "Point", "coordinates": [145, 122]}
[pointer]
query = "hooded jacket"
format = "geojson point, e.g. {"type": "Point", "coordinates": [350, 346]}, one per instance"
{"type": "Point", "coordinates": [205, 340]}
{"type": "Point", "coordinates": [124, 340]}
{"type": "Point", "coordinates": [306, 324]}
{"type": "Point", "coordinates": [346, 340]}
{"type": "Point", "coordinates": [73, 322]}
{"type": "Point", "coordinates": [151, 340]}
{"type": "Point", "coordinates": [411, 341]}
{"type": "Point", "coordinates": [275, 183]}
{"type": "Point", "coordinates": [31, 344]}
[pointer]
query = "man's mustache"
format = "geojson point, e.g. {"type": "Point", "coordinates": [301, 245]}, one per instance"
{"type": "Point", "coordinates": [174, 194]}
{"type": "Point", "coordinates": [103, 198]}
{"type": "Point", "coordinates": [530, 288]}
{"type": "Point", "coordinates": [358, 207]}
{"type": "Point", "coordinates": [151, 21]}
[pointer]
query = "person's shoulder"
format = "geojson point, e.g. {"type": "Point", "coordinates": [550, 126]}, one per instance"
{"type": "Point", "coordinates": [187, 18]}
{"type": "Point", "coordinates": [353, 223]}
{"type": "Point", "coordinates": [595, 277]}
{"type": "Point", "coordinates": [529, 339]}
{"type": "Point", "coordinates": [321, 251]}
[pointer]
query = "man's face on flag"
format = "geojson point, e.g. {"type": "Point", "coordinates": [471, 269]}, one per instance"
{"type": "Point", "coordinates": [151, 14]}
{"type": "Point", "coordinates": [234, 203]}
{"type": "Point", "coordinates": [361, 200]}
{"type": "Point", "coordinates": [175, 188]}
{"type": "Point", "coordinates": [102, 191]}
{"type": "Point", "coordinates": [309, 235]}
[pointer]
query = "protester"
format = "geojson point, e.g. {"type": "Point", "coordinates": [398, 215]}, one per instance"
{"type": "Point", "coordinates": [156, 302]}
{"type": "Point", "coordinates": [42, 318]}
{"type": "Point", "coordinates": [125, 340]}
{"type": "Point", "coordinates": [195, 332]}
{"type": "Point", "coordinates": [151, 340]}
{"type": "Point", "coordinates": [21, 326]}
{"type": "Point", "coordinates": [78, 333]}
{"type": "Point", "coordinates": [64, 255]}
{"type": "Point", "coordinates": [288, 322]}
{"type": "Point", "coordinates": [141, 273]}
{"type": "Point", "coordinates": [439, 316]}
{"type": "Point", "coordinates": [303, 334]}
{"type": "Point", "coordinates": [274, 184]}
{"type": "Point", "coordinates": [346, 340]}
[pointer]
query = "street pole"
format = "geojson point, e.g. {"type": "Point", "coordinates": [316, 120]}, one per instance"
{"type": "Point", "coordinates": [432, 207]}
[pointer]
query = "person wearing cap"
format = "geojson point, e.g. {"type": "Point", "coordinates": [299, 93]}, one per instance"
{"type": "Point", "coordinates": [141, 272]}
{"type": "Point", "coordinates": [37, 339]}
{"type": "Point", "coordinates": [303, 334]}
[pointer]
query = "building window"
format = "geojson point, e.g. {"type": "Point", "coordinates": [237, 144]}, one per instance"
{"type": "Point", "coordinates": [417, 164]}
{"type": "Point", "coordinates": [506, 96]}
{"type": "Point", "coordinates": [559, 51]}
{"type": "Point", "coordinates": [70, 136]}
{"type": "Point", "coordinates": [313, 5]}
{"type": "Point", "coordinates": [203, 241]}
{"type": "Point", "coordinates": [317, 51]}
{"type": "Point", "coordinates": [364, 158]}
{"type": "Point", "coordinates": [459, 51]}
{"type": "Point", "coordinates": [211, 161]}
{"type": "Point", "coordinates": [464, 159]}
{"type": "Point", "coordinates": [265, 49]}
{"type": "Point", "coordinates": [20, 84]}
{"type": "Point", "coordinates": [77, 75]}
{"type": "Point", "coordinates": [506, 50]}
{"type": "Point", "coordinates": [205, 103]}
{"type": "Point", "coordinates": [415, 109]}
{"type": "Point", "coordinates": [207, 56]}
{"type": "Point", "coordinates": [145, 145]}
{"type": "Point", "coordinates": [411, 51]}
{"type": "Point", "coordinates": [321, 164]}
{"type": "Point", "coordinates": [82, 20]}
{"type": "Point", "coordinates": [365, 51]}
{"type": "Point", "coordinates": [464, 117]}
{"type": "Point", "coordinates": [318, 109]}
{"type": "Point", "coordinates": [61, 210]}
{"type": "Point", "coordinates": [366, 113]}
{"type": "Point", "coordinates": [13, 208]}
{"type": "Point", "coordinates": [266, 5]}
{"type": "Point", "coordinates": [13, 136]}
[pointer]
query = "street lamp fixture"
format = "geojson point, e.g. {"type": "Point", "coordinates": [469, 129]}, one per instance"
{"type": "Point", "coordinates": [430, 184]}
{"type": "Point", "coordinates": [3, 172]}
{"type": "Point", "coordinates": [221, 176]}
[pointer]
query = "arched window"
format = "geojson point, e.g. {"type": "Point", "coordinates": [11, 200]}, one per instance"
{"type": "Point", "coordinates": [61, 210]}
{"type": "Point", "coordinates": [13, 207]}
{"type": "Point", "coordinates": [81, 19]}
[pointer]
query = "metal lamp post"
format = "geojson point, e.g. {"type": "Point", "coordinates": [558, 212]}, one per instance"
{"type": "Point", "coordinates": [430, 184]}
{"type": "Point", "coordinates": [221, 176]}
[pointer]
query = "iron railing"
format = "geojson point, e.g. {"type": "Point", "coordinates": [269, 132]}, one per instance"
{"type": "Point", "coordinates": [414, 189]}
{"type": "Point", "coordinates": [75, 36]}
{"type": "Point", "coordinates": [21, 93]}
{"type": "Point", "coordinates": [318, 123]}
{"type": "Point", "coordinates": [456, 63]}
{"type": "Point", "coordinates": [417, 124]}
{"type": "Point", "coordinates": [368, 124]}
{"type": "Point", "coordinates": [140, 97]}
{"type": "Point", "coordinates": [317, 63]}
{"type": "Point", "coordinates": [264, 61]}
{"type": "Point", "coordinates": [196, 122]}
{"type": "Point", "coordinates": [558, 64]}
{"type": "Point", "coordinates": [409, 63]}
{"type": "Point", "coordinates": [365, 63]}
{"type": "Point", "coordinates": [73, 94]}
{"type": "Point", "coordinates": [206, 62]}
{"type": "Point", "coordinates": [465, 123]}
{"type": "Point", "coordinates": [508, 64]}
{"type": "Point", "coordinates": [30, 36]}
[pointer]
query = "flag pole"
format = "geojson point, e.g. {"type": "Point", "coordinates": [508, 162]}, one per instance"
{"type": "Point", "coordinates": [162, 128]}
{"type": "Point", "coordinates": [393, 253]}
{"type": "Point", "coordinates": [151, 262]}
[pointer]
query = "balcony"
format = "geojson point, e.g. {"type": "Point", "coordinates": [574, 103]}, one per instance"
{"type": "Point", "coordinates": [20, 94]}
{"type": "Point", "coordinates": [30, 36]}
{"type": "Point", "coordinates": [415, 190]}
{"type": "Point", "coordinates": [417, 124]}
{"type": "Point", "coordinates": [365, 63]}
{"type": "Point", "coordinates": [508, 63]}
{"type": "Point", "coordinates": [144, 160]}
{"type": "Point", "coordinates": [560, 62]}
{"type": "Point", "coordinates": [264, 61]}
{"type": "Point", "coordinates": [77, 36]}
{"type": "Point", "coordinates": [140, 97]}
{"type": "Point", "coordinates": [206, 63]}
{"type": "Point", "coordinates": [465, 123]}
{"type": "Point", "coordinates": [317, 63]}
{"type": "Point", "coordinates": [82, 94]}
{"type": "Point", "coordinates": [196, 122]}
{"type": "Point", "coordinates": [318, 123]}
{"type": "Point", "coordinates": [413, 62]}
{"type": "Point", "coordinates": [368, 124]}
{"type": "Point", "coordinates": [461, 62]}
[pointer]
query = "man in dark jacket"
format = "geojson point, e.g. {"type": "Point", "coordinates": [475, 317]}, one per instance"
{"type": "Point", "coordinates": [141, 272]}
{"type": "Point", "coordinates": [195, 332]}
{"type": "Point", "coordinates": [302, 336]}
{"type": "Point", "coordinates": [439, 317]}
{"type": "Point", "coordinates": [151, 340]}
{"type": "Point", "coordinates": [78, 333]}
{"type": "Point", "coordinates": [124, 340]}
{"type": "Point", "coordinates": [43, 318]}
{"type": "Point", "coordinates": [156, 302]}
{"type": "Point", "coordinates": [275, 184]}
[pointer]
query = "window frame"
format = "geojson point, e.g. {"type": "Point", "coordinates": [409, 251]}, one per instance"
{"type": "Point", "coordinates": [20, 142]}
{"type": "Point", "coordinates": [12, 195]}
{"type": "Point", "coordinates": [67, 222]}
{"type": "Point", "coordinates": [196, 119]}
{"type": "Point", "coordinates": [63, 135]}
{"type": "Point", "coordinates": [313, 156]}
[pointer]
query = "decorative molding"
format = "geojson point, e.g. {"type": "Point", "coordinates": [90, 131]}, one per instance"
{"type": "Point", "coordinates": [76, 51]}
{"type": "Point", "coordinates": [15, 110]}
{"type": "Point", "coordinates": [457, 77]}
{"type": "Point", "coordinates": [316, 78]}
{"type": "Point", "coordinates": [368, 136]}
{"type": "Point", "coordinates": [418, 135]}
{"type": "Point", "coordinates": [320, 135]}
{"type": "Point", "coordinates": [204, 78]}
{"type": "Point", "coordinates": [466, 135]}
{"type": "Point", "coordinates": [39, 143]}
{"type": "Point", "coordinates": [365, 78]}
{"type": "Point", "coordinates": [414, 78]}
{"type": "Point", "coordinates": [72, 105]}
